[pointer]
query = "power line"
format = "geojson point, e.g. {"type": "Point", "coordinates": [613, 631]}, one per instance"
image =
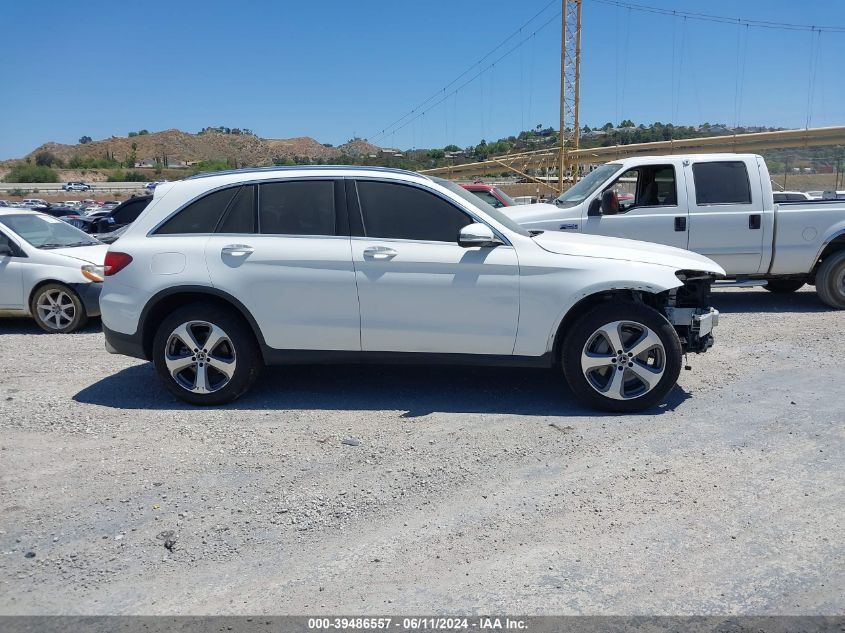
{"type": "Point", "coordinates": [706, 17]}
{"type": "Point", "coordinates": [466, 83]}
{"type": "Point", "coordinates": [389, 129]}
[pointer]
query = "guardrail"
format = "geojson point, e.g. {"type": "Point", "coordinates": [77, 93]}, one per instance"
{"type": "Point", "coordinates": [56, 187]}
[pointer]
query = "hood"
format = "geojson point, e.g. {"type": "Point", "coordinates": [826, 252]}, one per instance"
{"type": "Point", "coordinates": [625, 250]}
{"type": "Point", "coordinates": [527, 213]}
{"type": "Point", "coordinates": [95, 254]}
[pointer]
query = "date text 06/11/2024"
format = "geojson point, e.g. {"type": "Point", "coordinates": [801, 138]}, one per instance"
{"type": "Point", "coordinates": [418, 623]}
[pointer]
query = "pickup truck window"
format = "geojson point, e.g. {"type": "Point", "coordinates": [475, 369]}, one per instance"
{"type": "Point", "coordinates": [723, 182]}
{"type": "Point", "coordinates": [647, 186]}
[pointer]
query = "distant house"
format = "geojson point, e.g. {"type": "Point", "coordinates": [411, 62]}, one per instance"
{"type": "Point", "coordinates": [146, 162]}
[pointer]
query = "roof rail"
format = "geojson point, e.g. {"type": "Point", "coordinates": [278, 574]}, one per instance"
{"type": "Point", "coordinates": [250, 170]}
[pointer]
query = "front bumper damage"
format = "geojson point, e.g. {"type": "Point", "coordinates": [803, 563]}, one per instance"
{"type": "Point", "coordinates": [694, 326]}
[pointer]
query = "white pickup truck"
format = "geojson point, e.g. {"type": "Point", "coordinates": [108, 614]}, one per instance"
{"type": "Point", "coordinates": [719, 205]}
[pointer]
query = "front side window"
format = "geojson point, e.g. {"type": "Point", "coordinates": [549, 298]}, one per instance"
{"type": "Point", "coordinates": [200, 216]}
{"type": "Point", "coordinates": [405, 212]}
{"type": "Point", "coordinates": [46, 232]}
{"type": "Point", "coordinates": [647, 186]}
{"type": "Point", "coordinates": [721, 183]}
{"type": "Point", "coordinates": [300, 207]}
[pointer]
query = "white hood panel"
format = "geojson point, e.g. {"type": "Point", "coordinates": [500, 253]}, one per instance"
{"type": "Point", "coordinates": [625, 250]}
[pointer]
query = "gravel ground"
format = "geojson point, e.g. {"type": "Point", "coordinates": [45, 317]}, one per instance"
{"type": "Point", "coordinates": [428, 490]}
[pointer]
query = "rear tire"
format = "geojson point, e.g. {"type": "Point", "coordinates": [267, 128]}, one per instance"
{"type": "Point", "coordinates": [784, 286]}
{"type": "Point", "coordinates": [830, 280]}
{"type": "Point", "coordinates": [206, 354]}
{"type": "Point", "coordinates": [57, 309]}
{"type": "Point", "coordinates": [638, 373]}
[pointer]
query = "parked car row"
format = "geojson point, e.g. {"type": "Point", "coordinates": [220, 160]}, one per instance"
{"type": "Point", "coordinates": [218, 275]}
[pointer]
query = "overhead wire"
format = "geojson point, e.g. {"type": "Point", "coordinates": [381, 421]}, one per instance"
{"type": "Point", "coordinates": [707, 17]}
{"type": "Point", "coordinates": [385, 130]}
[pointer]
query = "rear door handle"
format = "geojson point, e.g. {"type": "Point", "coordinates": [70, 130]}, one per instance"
{"type": "Point", "coordinates": [680, 223]}
{"type": "Point", "coordinates": [238, 250]}
{"type": "Point", "coordinates": [379, 252]}
{"type": "Point", "coordinates": [755, 221]}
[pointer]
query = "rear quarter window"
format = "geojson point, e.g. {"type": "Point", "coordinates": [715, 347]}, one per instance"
{"type": "Point", "coordinates": [200, 216]}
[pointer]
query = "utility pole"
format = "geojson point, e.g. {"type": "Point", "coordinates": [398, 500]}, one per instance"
{"type": "Point", "coordinates": [570, 85]}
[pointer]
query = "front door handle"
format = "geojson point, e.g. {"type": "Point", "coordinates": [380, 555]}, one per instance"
{"type": "Point", "coordinates": [755, 221]}
{"type": "Point", "coordinates": [238, 250]}
{"type": "Point", "coordinates": [379, 252]}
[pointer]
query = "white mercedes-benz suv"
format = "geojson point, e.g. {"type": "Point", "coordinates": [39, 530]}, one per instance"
{"type": "Point", "coordinates": [225, 273]}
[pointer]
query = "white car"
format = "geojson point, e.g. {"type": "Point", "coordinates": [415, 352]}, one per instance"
{"type": "Point", "coordinates": [791, 196]}
{"type": "Point", "coordinates": [224, 273]}
{"type": "Point", "coordinates": [48, 270]}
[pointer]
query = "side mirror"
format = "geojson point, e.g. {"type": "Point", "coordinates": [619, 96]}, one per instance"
{"type": "Point", "coordinates": [609, 202]}
{"type": "Point", "coordinates": [477, 235]}
{"type": "Point", "coordinates": [594, 210]}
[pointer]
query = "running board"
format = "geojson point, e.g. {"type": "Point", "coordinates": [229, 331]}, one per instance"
{"type": "Point", "coordinates": [740, 283]}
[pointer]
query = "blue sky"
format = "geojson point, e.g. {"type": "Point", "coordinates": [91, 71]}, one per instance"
{"type": "Point", "coordinates": [334, 69]}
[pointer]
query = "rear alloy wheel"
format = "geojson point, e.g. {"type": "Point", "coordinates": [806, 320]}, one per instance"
{"type": "Point", "coordinates": [784, 286]}
{"type": "Point", "coordinates": [206, 354]}
{"type": "Point", "coordinates": [622, 357]}
{"type": "Point", "coordinates": [58, 309]}
{"type": "Point", "coordinates": [830, 280]}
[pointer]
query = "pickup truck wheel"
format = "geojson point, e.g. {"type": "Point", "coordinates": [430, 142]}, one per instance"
{"type": "Point", "coordinates": [621, 357]}
{"type": "Point", "coordinates": [206, 355]}
{"type": "Point", "coordinates": [830, 280]}
{"type": "Point", "coordinates": [784, 286]}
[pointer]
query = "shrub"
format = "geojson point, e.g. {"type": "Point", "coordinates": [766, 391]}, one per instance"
{"type": "Point", "coordinates": [31, 173]}
{"type": "Point", "coordinates": [126, 176]}
{"type": "Point", "coordinates": [19, 193]}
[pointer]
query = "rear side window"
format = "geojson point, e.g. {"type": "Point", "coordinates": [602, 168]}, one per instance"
{"type": "Point", "coordinates": [721, 183]}
{"type": "Point", "coordinates": [130, 211]}
{"type": "Point", "coordinates": [404, 212]}
{"type": "Point", "coordinates": [240, 218]}
{"type": "Point", "coordinates": [303, 207]}
{"type": "Point", "coordinates": [201, 216]}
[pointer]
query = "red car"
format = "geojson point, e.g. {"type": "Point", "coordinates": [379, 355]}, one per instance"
{"type": "Point", "coordinates": [490, 194]}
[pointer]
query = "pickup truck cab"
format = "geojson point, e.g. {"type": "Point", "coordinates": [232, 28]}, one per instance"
{"type": "Point", "coordinates": [718, 205]}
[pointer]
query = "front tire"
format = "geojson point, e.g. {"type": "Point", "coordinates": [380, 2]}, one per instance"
{"type": "Point", "coordinates": [830, 280]}
{"type": "Point", "coordinates": [784, 286]}
{"type": "Point", "coordinates": [57, 309]}
{"type": "Point", "coordinates": [206, 354]}
{"type": "Point", "coordinates": [621, 357]}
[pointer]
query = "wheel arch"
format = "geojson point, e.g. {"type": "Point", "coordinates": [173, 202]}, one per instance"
{"type": "Point", "coordinates": [585, 304]}
{"type": "Point", "coordinates": [833, 244]}
{"type": "Point", "coordinates": [45, 282]}
{"type": "Point", "coordinates": [167, 300]}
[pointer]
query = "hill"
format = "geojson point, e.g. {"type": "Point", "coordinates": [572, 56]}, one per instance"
{"type": "Point", "coordinates": [177, 148]}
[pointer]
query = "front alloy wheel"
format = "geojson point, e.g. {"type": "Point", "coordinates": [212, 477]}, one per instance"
{"type": "Point", "coordinates": [623, 360]}
{"type": "Point", "coordinates": [57, 309]}
{"type": "Point", "coordinates": [621, 356]}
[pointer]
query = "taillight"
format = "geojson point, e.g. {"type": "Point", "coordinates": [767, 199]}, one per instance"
{"type": "Point", "coordinates": [115, 262]}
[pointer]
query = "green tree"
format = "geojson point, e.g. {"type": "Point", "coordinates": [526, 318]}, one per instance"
{"type": "Point", "coordinates": [46, 159]}
{"type": "Point", "coordinates": [452, 148]}
{"type": "Point", "coordinates": [84, 140]}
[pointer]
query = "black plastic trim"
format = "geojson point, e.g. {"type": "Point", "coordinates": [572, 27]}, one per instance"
{"type": "Point", "coordinates": [126, 344]}
{"type": "Point", "coordinates": [320, 357]}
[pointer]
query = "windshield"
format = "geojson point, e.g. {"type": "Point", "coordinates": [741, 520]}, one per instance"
{"type": "Point", "coordinates": [587, 185]}
{"type": "Point", "coordinates": [44, 231]}
{"type": "Point", "coordinates": [510, 202]}
{"type": "Point", "coordinates": [478, 203]}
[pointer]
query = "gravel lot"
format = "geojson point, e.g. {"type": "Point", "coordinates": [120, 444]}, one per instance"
{"type": "Point", "coordinates": [462, 489]}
